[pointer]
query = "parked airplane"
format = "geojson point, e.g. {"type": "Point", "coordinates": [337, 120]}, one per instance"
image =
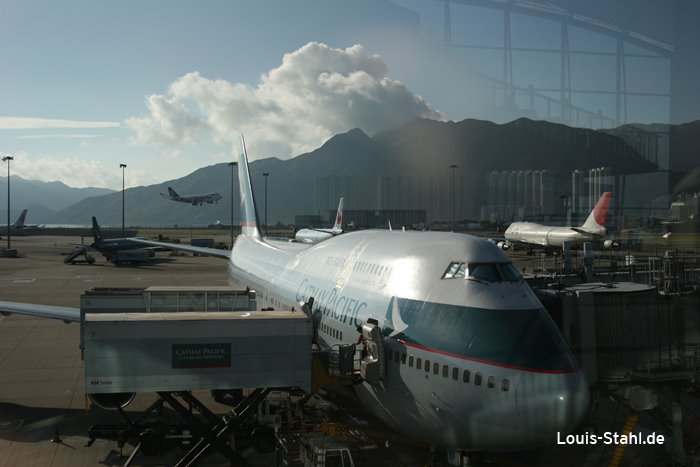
{"type": "Point", "coordinates": [550, 236]}
{"type": "Point", "coordinates": [473, 360]}
{"type": "Point", "coordinates": [194, 200]}
{"type": "Point", "coordinates": [110, 248]}
{"type": "Point", "coordinates": [19, 227]}
{"type": "Point", "coordinates": [312, 236]}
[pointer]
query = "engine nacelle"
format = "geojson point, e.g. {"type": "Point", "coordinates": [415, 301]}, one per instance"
{"type": "Point", "coordinates": [112, 401]}
{"type": "Point", "coordinates": [503, 245]}
{"type": "Point", "coordinates": [610, 243]}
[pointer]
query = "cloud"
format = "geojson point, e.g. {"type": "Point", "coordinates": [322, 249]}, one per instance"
{"type": "Point", "coordinates": [59, 136]}
{"type": "Point", "coordinates": [316, 92]}
{"type": "Point", "coordinates": [27, 123]}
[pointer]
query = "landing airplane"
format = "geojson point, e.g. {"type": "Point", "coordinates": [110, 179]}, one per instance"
{"type": "Point", "coordinates": [312, 236]}
{"type": "Point", "coordinates": [473, 360]}
{"type": "Point", "coordinates": [549, 236]}
{"type": "Point", "coordinates": [194, 200]}
{"type": "Point", "coordinates": [108, 247]}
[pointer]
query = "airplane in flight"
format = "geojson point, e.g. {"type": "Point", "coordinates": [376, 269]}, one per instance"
{"type": "Point", "coordinates": [108, 247]}
{"type": "Point", "coordinates": [312, 236]}
{"type": "Point", "coordinates": [463, 354]}
{"type": "Point", "coordinates": [194, 200]}
{"type": "Point", "coordinates": [549, 236]}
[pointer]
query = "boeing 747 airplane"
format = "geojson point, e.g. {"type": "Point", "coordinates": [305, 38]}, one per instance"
{"type": "Point", "coordinates": [194, 200]}
{"type": "Point", "coordinates": [312, 236]}
{"type": "Point", "coordinates": [470, 359]}
{"type": "Point", "coordinates": [549, 236]}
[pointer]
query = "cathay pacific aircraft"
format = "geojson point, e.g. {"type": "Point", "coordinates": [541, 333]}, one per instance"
{"type": "Point", "coordinates": [470, 359]}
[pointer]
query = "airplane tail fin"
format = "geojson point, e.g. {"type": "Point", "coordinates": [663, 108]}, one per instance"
{"type": "Point", "coordinates": [173, 194]}
{"type": "Point", "coordinates": [20, 220]}
{"type": "Point", "coordinates": [596, 220]}
{"type": "Point", "coordinates": [249, 213]}
{"type": "Point", "coordinates": [96, 234]}
{"type": "Point", "coordinates": [338, 226]}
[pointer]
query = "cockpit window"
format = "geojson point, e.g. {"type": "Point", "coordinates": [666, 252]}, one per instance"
{"type": "Point", "coordinates": [487, 272]}
{"type": "Point", "coordinates": [484, 271]}
{"type": "Point", "coordinates": [451, 270]}
{"type": "Point", "coordinates": [509, 272]}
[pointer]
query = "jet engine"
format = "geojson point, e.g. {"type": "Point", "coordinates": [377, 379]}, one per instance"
{"type": "Point", "coordinates": [611, 243]}
{"type": "Point", "coordinates": [503, 245]}
{"type": "Point", "coordinates": [112, 401]}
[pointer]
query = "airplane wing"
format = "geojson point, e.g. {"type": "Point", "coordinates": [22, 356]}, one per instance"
{"type": "Point", "coordinates": [67, 314]}
{"type": "Point", "coordinates": [226, 254]}
{"type": "Point", "coordinates": [586, 232]}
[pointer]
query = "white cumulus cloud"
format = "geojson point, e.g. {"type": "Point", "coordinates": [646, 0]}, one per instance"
{"type": "Point", "coordinates": [316, 92]}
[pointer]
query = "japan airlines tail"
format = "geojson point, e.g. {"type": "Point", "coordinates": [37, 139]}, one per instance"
{"type": "Point", "coordinates": [549, 236]}
{"type": "Point", "coordinates": [473, 360]}
{"type": "Point", "coordinates": [312, 236]}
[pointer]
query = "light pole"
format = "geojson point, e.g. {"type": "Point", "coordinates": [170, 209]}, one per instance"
{"type": "Point", "coordinates": [562, 198]}
{"type": "Point", "coordinates": [123, 166]}
{"type": "Point", "coordinates": [8, 159]}
{"type": "Point", "coordinates": [265, 174]}
{"type": "Point", "coordinates": [232, 165]}
{"type": "Point", "coordinates": [453, 167]}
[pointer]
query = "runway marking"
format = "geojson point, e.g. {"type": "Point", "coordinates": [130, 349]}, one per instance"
{"type": "Point", "coordinates": [89, 278]}
{"type": "Point", "coordinates": [24, 281]}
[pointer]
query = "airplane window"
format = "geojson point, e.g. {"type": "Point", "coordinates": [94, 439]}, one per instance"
{"type": "Point", "coordinates": [477, 378]}
{"type": "Point", "coordinates": [410, 361]}
{"type": "Point", "coordinates": [451, 270]}
{"type": "Point", "coordinates": [403, 358]}
{"type": "Point", "coordinates": [484, 271]}
{"type": "Point", "coordinates": [418, 362]}
{"type": "Point", "coordinates": [491, 382]}
{"type": "Point", "coordinates": [426, 367]}
{"type": "Point", "coordinates": [445, 371]}
{"type": "Point", "coordinates": [505, 385]}
{"type": "Point", "coordinates": [465, 377]}
{"type": "Point", "coordinates": [509, 272]}
{"type": "Point", "coordinates": [455, 373]}
{"type": "Point", "coordinates": [436, 368]}
{"type": "Point", "coordinates": [460, 272]}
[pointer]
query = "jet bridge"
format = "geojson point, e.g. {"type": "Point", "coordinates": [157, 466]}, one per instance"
{"type": "Point", "coordinates": [153, 340]}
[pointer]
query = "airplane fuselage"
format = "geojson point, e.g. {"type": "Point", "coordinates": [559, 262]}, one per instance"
{"type": "Point", "coordinates": [312, 236]}
{"type": "Point", "coordinates": [545, 235]}
{"type": "Point", "coordinates": [465, 353]}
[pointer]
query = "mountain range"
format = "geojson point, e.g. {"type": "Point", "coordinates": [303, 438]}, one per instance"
{"type": "Point", "coordinates": [350, 164]}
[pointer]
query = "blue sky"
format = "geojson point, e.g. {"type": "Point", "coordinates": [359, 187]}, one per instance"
{"type": "Point", "coordinates": [166, 86]}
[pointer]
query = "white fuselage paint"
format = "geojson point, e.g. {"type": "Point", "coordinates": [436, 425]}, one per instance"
{"type": "Point", "coordinates": [353, 277]}
{"type": "Point", "coordinates": [544, 235]}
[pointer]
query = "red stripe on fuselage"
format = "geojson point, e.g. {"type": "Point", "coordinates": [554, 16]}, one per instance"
{"type": "Point", "coordinates": [487, 362]}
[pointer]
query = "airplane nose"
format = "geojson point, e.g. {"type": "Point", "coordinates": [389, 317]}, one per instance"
{"type": "Point", "coordinates": [551, 404]}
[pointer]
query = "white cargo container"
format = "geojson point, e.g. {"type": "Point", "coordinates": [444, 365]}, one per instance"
{"type": "Point", "coordinates": [148, 352]}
